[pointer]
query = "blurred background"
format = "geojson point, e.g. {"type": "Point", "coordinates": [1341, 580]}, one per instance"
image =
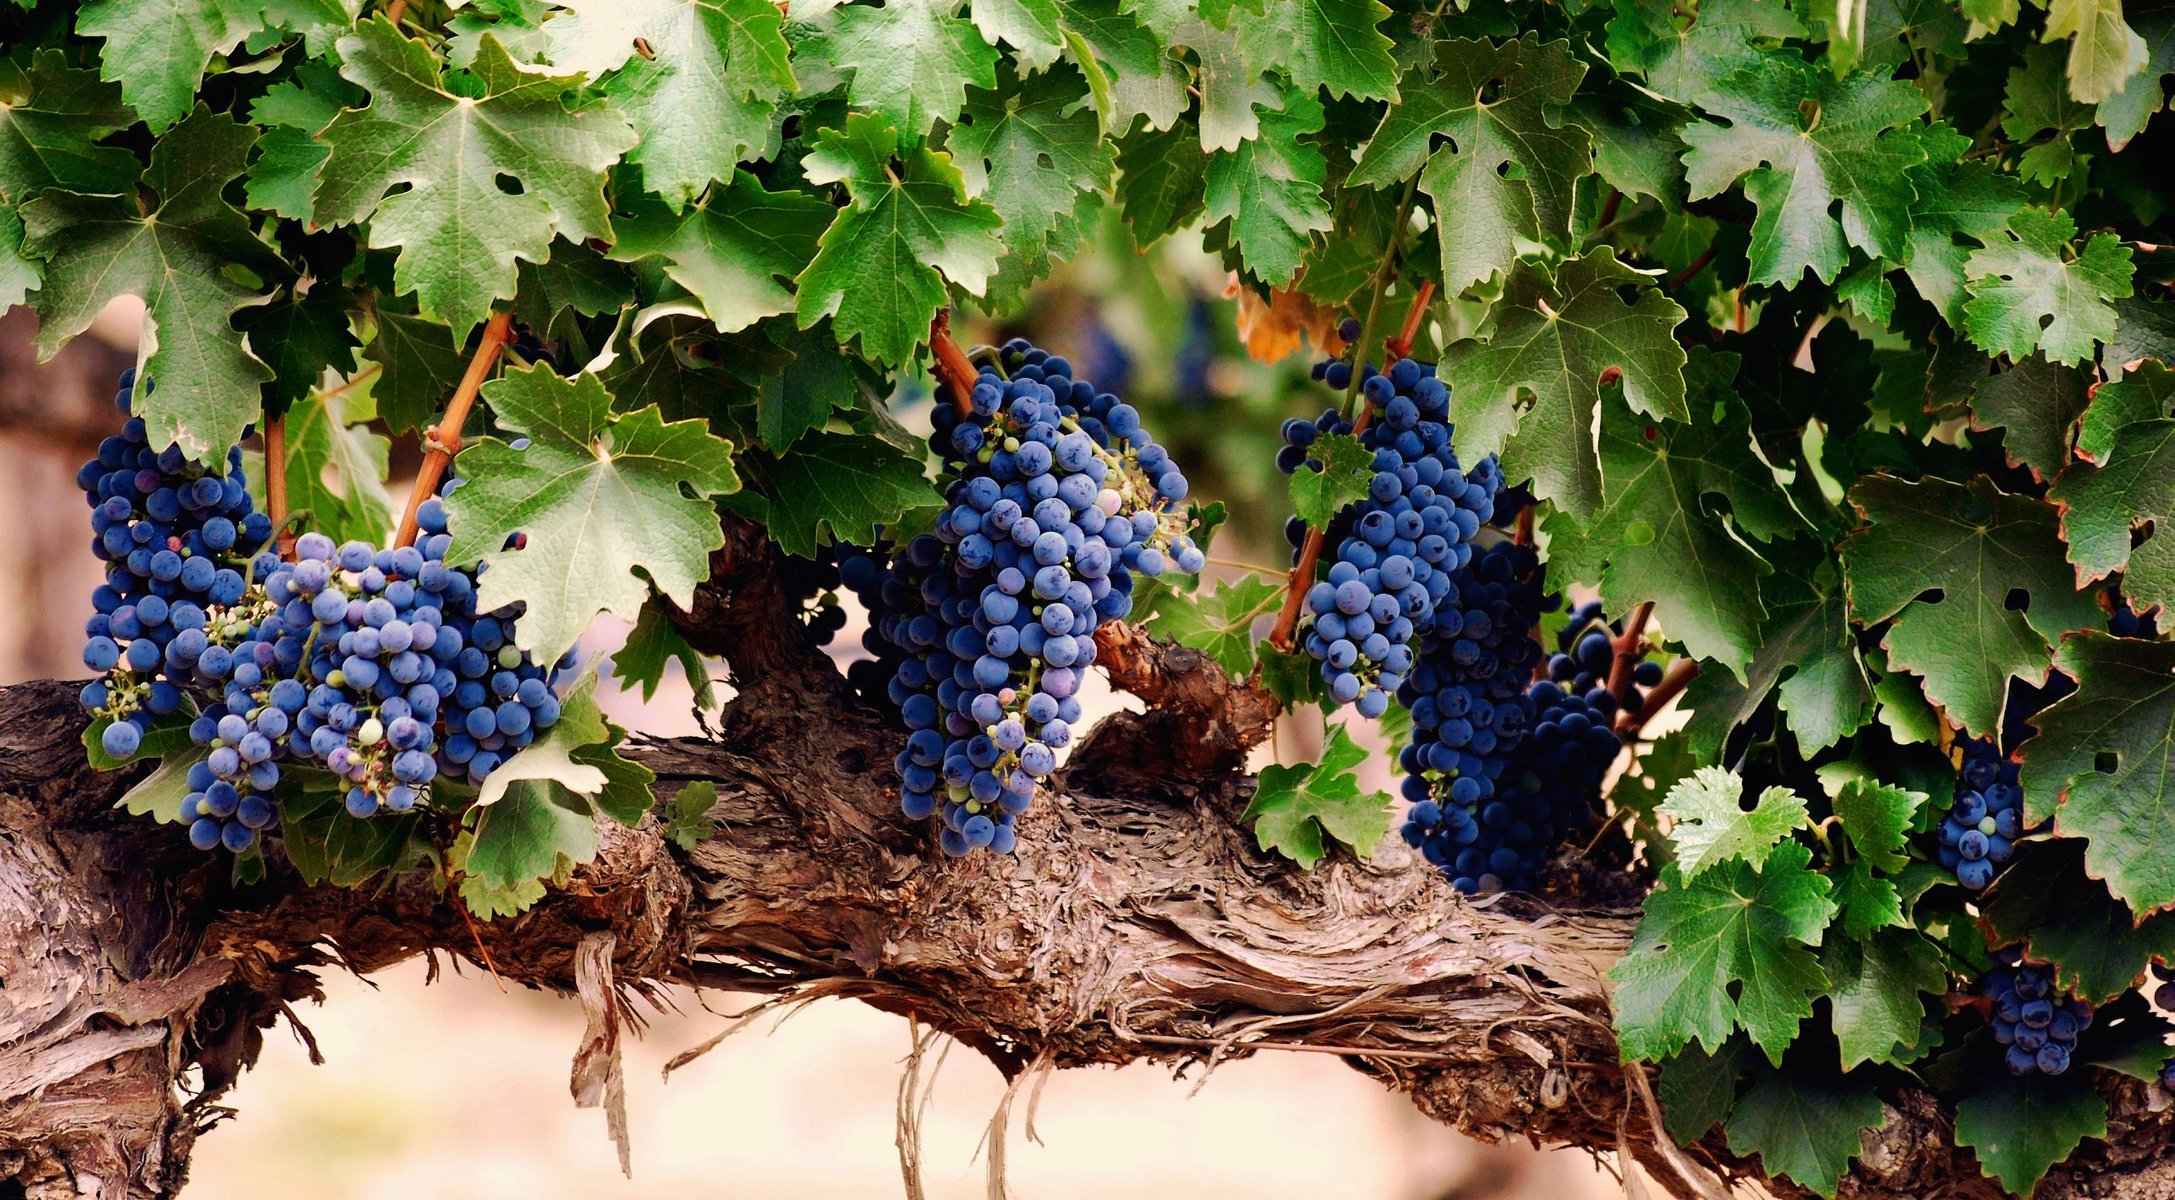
{"type": "Point", "coordinates": [458, 1089]}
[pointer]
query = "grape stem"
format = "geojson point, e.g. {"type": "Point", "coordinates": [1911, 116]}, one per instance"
{"type": "Point", "coordinates": [953, 367]}
{"type": "Point", "coordinates": [443, 440]}
{"type": "Point", "coordinates": [1630, 648]}
{"type": "Point", "coordinates": [1310, 556]}
{"type": "Point", "coordinates": [275, 482]}
{"type": "Point", "coordinates": [394, 11]}
{"type": "Point", "coordinates": [1681, 673]}
{"type": "Point", "coordinates": [1690, 272]}
{"type": "Point", "coordinates": [1401, 345]}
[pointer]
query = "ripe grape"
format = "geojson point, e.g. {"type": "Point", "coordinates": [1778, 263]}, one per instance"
{"type": "Point", "coordinates": [2036, 1023]}
{"type": "Point", "coordinates": [1985, 817]}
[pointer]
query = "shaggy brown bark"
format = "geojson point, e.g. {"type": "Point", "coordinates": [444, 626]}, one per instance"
{"type": "Point", "coordinates": [1128, 927]}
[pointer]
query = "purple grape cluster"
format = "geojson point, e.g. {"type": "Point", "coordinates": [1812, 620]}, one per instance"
{"type": "Point", "coordinates": [1058, 498]}
{"type": "Point", "coordinates": [1395, 552]}
{"type": "Point", "coordinates": [174, 534]}
{"type": "Point", "coordinates": [1985, 818]}
{"type": "Point", "coordinates": [2037, 1024]}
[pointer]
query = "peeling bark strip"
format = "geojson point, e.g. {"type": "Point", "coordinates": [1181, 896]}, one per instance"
{"type": "Point", "coordinates": [1126, 929]}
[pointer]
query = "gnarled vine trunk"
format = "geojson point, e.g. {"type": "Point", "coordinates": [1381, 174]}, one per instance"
{"type": "Point", "coordinates": [1137, 921]}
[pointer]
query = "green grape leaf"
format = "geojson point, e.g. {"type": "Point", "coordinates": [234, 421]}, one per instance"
{"type": "Point", "coordinates": [178, 258]}
{"type": "Point", "coordinates": [1269, 190]}
{"type": "Point", "coordinates": [2102, 505]}
{"type": "Point", "coordinates": [1232, 87]}
{"type": "Point", "coordinates": [909, 62]}
{"type": "Point", "coordinates": [653, 643]}
{"type": "Point", "coordinates": [1867, 903]}
{"type": "Point", "coordinates": [1961, 206]}
{"type": "Point", "coordinates": [2140, 395]}
{"type": "Point", "coordinates": [837, 485]}
{"type": "Point", "coordinates": [2028, 293]}
{"type": "Point", "coordinates": [1879, 818]}
{"type": "Point", "coordinates": [1333, 44]}
{"type": "Point", "coordinates": [703, 95]}
{"type": "Point", "coordinates": [599, 495]}
{"type": "Point", "coordinates": [562, 760]}
{"type": "Point", "coordinates": [1293, 677]}
{"type": "Point", "coordinates": [2020, 1126]}
{"type": "Point", "coordinates": [1877, 1002]}
{"type": "Point", "coordinates": [509, 851]}
{"type": "Point", "coordinates": [1508, 165]}
{"type": "Point", "coordinates": [2124, 112]}
{"type": "Point", "coordinates": [1554, 339]}
{"type": "Point", "coordinates": [1298, 810]}
{"type": "Point", "coordinates": [326, 845]}
{"type": "Point", "coordinates": [2048, 901]}
{"type": "Point", "coordinates": [1806, 144]}
{"type": "Point", "coordinates": [168, 737]}
{"type": "Point", "coordinates": [1711, 827]}
{"type": "Point", "coordinates": [19, 276]}
{"type": "Point", "coordinates": [1806, 649]}
{"type": "Point", "coordinates": [159, 794]}
{"type": "Point", "coordinates": [1149, 84]}
{"type": "Point", "coordinates": [1033, 150]}
{"type": "Point", "coordinates": [1975, 545]}
{"type": "Point", "coordinates": [419, 366]}
{"type": "Point", "coordinates": [2101, 760]}
{"type": "Point", "coordinates": [51, 120]}
{"type": "Point", "coordinates": [157, 50]}
{"type": "Point", "coordinates": [289, 156]}
{"type": "Point", "coordinates": [458, 232]}
{"type": "Point", "coordinates": [301, 338]}
{"type": "Point", "coordinates": [1726, 950]}
{"type": "Point", "coordinates": [798, 397]}
{"type": "Point", "coordinates": [1697, 1089]}
{"type": "Point", "coordinates": [1804, 1124]}
{"type": "Point", "coordinates": [733, 250]}
{"type": "Point", "coordinates": [2038, 115]}
{"type": "Point", "coordinates": [880, 268]}
{"type": "Point", "coordinates": [1163, 179]}
{"type": "Point", "coordinates": [1220, 623]}
{"type": "Point", "coordinates": [2037, 403]}
{"type": "Point", "coordinates": [1347, 466]}
{"type": "Point", "coordinates": [1660, 529]}
{"type": "Point", "coordinates": [575, 279]}
{"type": "Point", "coordinates": [2104, 52]}
{"type": "Point", "coordinates": [1688, 56]}
{"type": "Point", "coordinates": [688, 824]}
{"type": "Point", "coordinates": [1031, 27]}
{"type": "Point", "coordinates": [335, 471]}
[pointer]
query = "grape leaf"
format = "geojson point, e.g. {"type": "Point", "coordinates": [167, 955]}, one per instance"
{"type": "Point", "coordinates": [1031, 27]}
{"type": "Point", "coordinates": [289, 156]}
{"type": "Point", "coordinates": [1347, 466]}
{"type": "Point", "coordinates": [910, 61]}
{"type": "Point", "coordinates": [1803, 1124]}
{"type": "Point", "coordinates": [2037, 403]}
{"type": "Point", "coordinates": [1269, 190]}
{"type": "Point", "coordinates": [419, 366]}
{"type": "Point", "coordinates": [2028, 293]}
{"type": "Point", "coordinates": [1553, 339]}
{"type": "Point", "coordinates": [159, 794]}
{"type": "Point", "coordinates": [799, 396]}
{"type": "Point", "coordinates": [1508, 165]}
{"type": "Point", "coordinates": [1806, 649]}
{"type": "Point", "coordinates": [688, 824]}
{"type": "Point", "coordinates": [1733, 929]}
{"type": "Point", "coordinates": [1867, 902]}
{"type": "Point", "coordinates": [2123, 113]}
{"type": "Point", "coordinates": [1688, 56]}
{"type": "Point", "coordinates": [2101, 761]}
{"type": "Point", "coordinates": [1032, 149]}
{"type": "Point", "coordinates": [1879, 818]}
{"type": "Point", "coordinates": [599, 495]}
{"type": "Point", "coordinates": [880, 268]}
{"type": "Point", "coordinates": [1806, 144]}
{"type": "Point", "coordinates": [1711, 827]}
{"type": "Point", "coordinates": [157, 50]}
{"type": "Point", "coordinates": [1333, 44]}
{"type": "Point", "coordinates": [51, 120]}
{"type": "Point", "coordinates": [2049, 902]}
{"type": "Point", "coordinates": [457, 230]}
{"type": "Point", "coordinates": [178, 258]}
{"type": "Point", "coordinates": [1231, 84]}
{"type": "Point", "coordinates": [1220, 623]}
{"type": "Point", "coordinates": [19, 276]}
{"type": "Point", "coordinates": [1163, 178]}
{"type": "Point", "coordinates": [841, 485]}
{"type": "Point", "coordinates": [301, 338]}
{"type": "Point", "coordinates": [653, 642]}
{"type": "Point", "coordinates": [1293, 677]}
{"type": "Point", "coordinates": [1150, 84]}
{"type": "Point", "coordinates": [335, 471]}
{"type": "Point", "coordinates": [1663, 530]}
{"type": "Point", "coordinates": [1976, 545]}
{"type": "Point", "coordinates": [2104, 52]}
{"type": "Point", "coordinates": [328, 846]}
{"type": "Point", "coordinates": [2134, 490]}
{"type": "Point", "coordinates": [1957, 199]}
{"type": "Point", "coordinates": [1878, 983]}
{"type": "Point", "coordinates": [1297, 810]}
{"type": "Point", "coordinates": [2020, 1126]}
{"type": "Point", "coordinates": [2139, 395]}
{"type": "Point", "coordinates": [1697, 1090]}
{"type": "Point", "coordinates": [731, 249]}
{"type": "Point", "coordinates": [704, 92]}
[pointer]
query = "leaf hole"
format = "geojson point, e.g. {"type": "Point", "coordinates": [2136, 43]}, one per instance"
{"type": "Point", "coordinates": [1490, 92]}
{"type": "Point", "coordinates": [508, 184]}
{"type": "Point", "coordinates": [1044, 161]}
{"type": "Point", "coordinates": [2017, 601]}
{"type": "Point", "coordinates": [2106, 762]}
{"type": "Point", "coordinates": [2141, 533]}
{"type": "Point", "coordinates": [1931, 596]}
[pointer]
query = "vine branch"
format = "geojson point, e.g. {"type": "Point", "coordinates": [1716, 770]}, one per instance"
{"type": "Point", "coordinates": [953, 368]}
{"type": "Point", "coordinates": [443, 440]}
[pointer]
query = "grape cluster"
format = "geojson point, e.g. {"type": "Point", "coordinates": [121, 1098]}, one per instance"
{"type": "Point", "coordinates": [173, 533]}
{"type": "Point", "coordinates": [2031, 1017]}
{"type": "Point", "coordinates": [1059, 497]}
{"type": "Point", "coordinates": [866, 572]}
{"type": "Point", "coordinates": [1985, 818]}
{"type": "Point", "coordinates": [1395, 552]}
{"type": "Point", "coordinates": [811, 588]}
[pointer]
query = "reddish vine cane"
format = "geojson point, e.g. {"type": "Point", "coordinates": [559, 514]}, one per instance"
{"type": "Point", "coordinates": [275, 482]}
{"type": "Point", "coordinates": [443, 440]}
{"type": "Point", "coordinates": [953, 368]}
